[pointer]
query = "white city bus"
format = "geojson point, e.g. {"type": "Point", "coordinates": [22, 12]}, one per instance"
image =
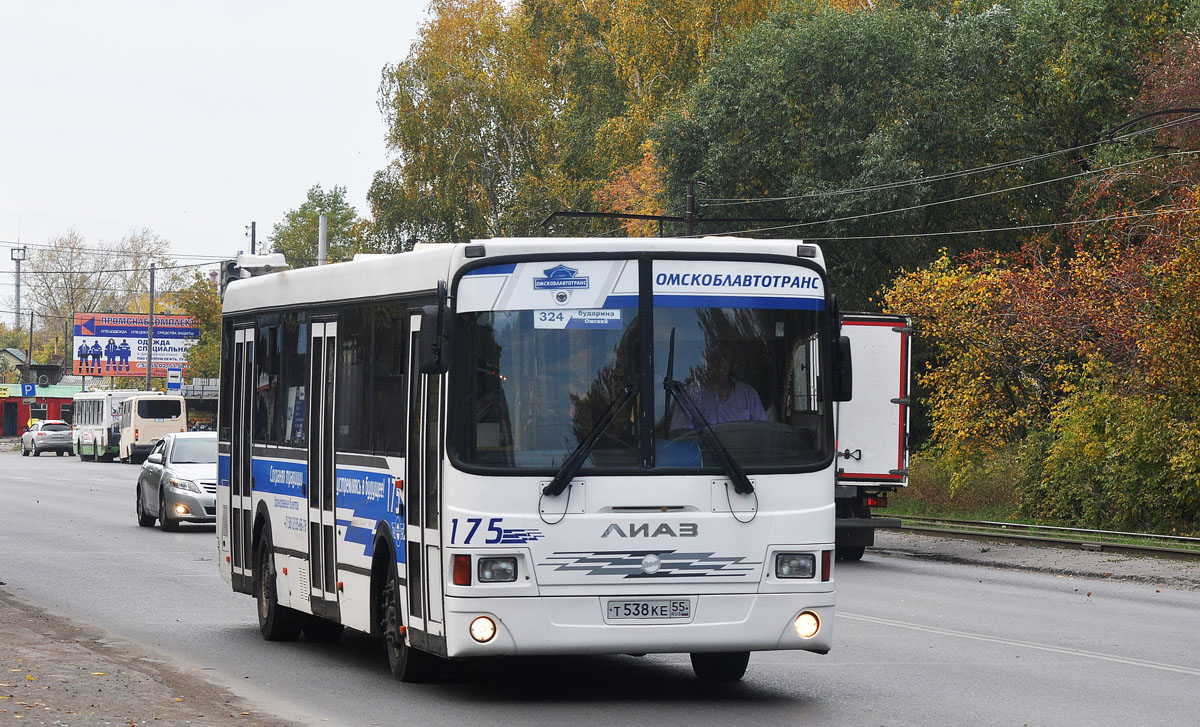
{"type": "Point", "coordinates": [97, 425]}
{"type": "Point", "coordinates": [513, 447]}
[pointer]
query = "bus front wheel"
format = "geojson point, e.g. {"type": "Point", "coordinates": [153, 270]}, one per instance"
{"type": "Point", "coordinates": [406, 663]}
{"type": "Point", "coordinates": [726, 666]}
{"type": "Point", "coordinates": [275, 622]}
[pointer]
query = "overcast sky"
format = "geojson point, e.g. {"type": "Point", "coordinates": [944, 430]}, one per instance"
{"type": "Point", "coordinates": [191, 119]}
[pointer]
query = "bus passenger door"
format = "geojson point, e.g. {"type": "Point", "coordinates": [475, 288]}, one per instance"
{"type": "Point", "coordinates": [423, 503]}
{"type": "Point", "coordinates": [241, 505]}
{"type": "Point", "coordinates": [322, 555]}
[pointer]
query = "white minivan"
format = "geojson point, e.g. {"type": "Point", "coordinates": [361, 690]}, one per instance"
{"type": "Point", "coordinates": [145, 419]}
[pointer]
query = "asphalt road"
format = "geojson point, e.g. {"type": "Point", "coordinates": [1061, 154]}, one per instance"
{"type": "Point", "coordinates": [917, 641]}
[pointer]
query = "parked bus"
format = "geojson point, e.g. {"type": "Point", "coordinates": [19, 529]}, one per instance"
{"type": "Point", "coordinates": [145, 419]}
{"type": "Point", "coordinates": [537, 446]}
{"type": "Point", "coordinates": [97, 422]}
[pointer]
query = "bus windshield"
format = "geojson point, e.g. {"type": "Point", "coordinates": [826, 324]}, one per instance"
{"type": "Point", "coordinates": [738, 373]}
{"type": "Point", "coordinates": [536, 389]}
{"type": "Point", "coordinates": [749, 375]}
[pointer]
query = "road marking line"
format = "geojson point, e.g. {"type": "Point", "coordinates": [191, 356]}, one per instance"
{"type": "Point", "coordinates": [1026, 644]}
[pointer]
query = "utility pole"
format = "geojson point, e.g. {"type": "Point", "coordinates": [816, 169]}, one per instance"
{"type": "Point", "coordinates": [322, 239]}
{"type": "Point", "coordinates": [689, 215]}
{"type": "Point", "coordinates": [150, 331]}
{"type": "Point", "coordinates": [251, 228]}
{"type": "Point", "coordinates": [18, 254]}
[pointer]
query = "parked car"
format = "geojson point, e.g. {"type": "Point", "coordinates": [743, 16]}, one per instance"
{"type": "Point", "coordinates": [47, 435]}
{"type": "Point", "coordinates": [178, 481]}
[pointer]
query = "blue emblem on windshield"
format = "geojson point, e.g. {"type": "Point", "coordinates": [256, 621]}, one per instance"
{"type": "Point", "coordinates": [560, 277]}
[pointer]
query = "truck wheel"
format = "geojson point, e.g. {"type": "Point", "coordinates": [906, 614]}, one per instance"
{"type": "Point", "coordinates": [851, 552]}
{"type": "Point", "coordinates": [406, 663]}
{"type": "Point", "coordinates": [275, 622]}
{"type": "Point", "coordinates": [726, 666]}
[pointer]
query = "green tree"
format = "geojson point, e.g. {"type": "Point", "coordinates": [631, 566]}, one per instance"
{"type": "Point", "coordinates": [296, 236]}
{"type": "Point", "coordinates": [465, 113]}
{"type": "Point", "coordinates": [202, 300]}
{"type": "Point", "coordinates": [817, 102]}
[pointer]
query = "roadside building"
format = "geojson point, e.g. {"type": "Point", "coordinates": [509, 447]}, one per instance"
{"type": "Point", "coordinates": [47, 402]}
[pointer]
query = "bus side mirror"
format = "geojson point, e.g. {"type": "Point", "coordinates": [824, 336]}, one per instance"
{"type": "Point", "coordinates": [434, 337]}
{"type": "Point", "coordinates": [844, 371]}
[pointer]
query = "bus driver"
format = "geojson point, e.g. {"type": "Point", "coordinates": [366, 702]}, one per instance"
{"type": "Point", "coordinates": [718, 396]}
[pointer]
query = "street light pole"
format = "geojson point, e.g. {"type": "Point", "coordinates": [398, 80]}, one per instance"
{"type": "Point", "coordinates": [150, 331]}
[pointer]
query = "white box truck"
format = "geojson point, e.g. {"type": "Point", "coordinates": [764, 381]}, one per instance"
{"type": "Point", "coordinates": [872, 428]}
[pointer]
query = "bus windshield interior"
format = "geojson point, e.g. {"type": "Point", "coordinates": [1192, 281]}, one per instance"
{"type": "Point", "coordinates": [534, 391]}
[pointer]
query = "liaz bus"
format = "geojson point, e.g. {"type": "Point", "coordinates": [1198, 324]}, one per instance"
{"type": "Point", "coordinates": [537, 446]}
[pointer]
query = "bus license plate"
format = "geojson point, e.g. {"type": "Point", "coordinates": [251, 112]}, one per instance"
{"type": "Point", "coordinates": [657, 610]}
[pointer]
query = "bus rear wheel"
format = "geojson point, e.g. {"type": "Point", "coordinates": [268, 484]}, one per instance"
{"type": "Point", "coordinates": [275, 622]}
{"type": "Point", "coordinates": [406, 663]}
{"type": "Point", "coordinates": [725, 666]}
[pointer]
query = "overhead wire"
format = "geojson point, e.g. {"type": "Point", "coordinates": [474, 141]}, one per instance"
{"type": "Point", "coordinates": [1014, 228]}
{"type": "Point", "coordinates": [953, 200]}
{"type": "Point", "coordinates": [731, 201]}
{"type": "Point", "coordinates": [101, 252]}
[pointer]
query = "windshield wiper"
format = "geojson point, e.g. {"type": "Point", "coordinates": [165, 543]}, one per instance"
{"type": "Point", "coordinates": [574, 461]}
{"type": "Point", "coordinates": [741, 483]}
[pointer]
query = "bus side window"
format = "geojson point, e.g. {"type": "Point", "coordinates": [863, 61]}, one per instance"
{"type": "Point", "coordinates": [389, 391]}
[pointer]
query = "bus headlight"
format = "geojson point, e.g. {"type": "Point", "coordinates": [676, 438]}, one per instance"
{"type": "Point", "coordinates": [483, 629]}
{"type": "Point", "coordinates": [807, 624]}
{"type": "Point", "coordinates": [795, 565]}
{"type": "Point", "coordinates": [183, 484]}
{"type": "Point", "coordinates": [497, 570]}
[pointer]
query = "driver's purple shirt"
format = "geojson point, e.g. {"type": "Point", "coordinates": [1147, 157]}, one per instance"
{"type": "Point", "coordinates": [741, 405]}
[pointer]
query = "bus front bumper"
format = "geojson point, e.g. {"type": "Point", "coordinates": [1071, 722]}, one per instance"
{"type": "Point", "coordinates": [578, 625]}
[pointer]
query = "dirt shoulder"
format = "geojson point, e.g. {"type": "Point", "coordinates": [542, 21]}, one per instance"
{"type": "Point", "coordinates": [57, 672]}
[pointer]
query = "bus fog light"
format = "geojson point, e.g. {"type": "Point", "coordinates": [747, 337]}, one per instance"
{"type": "Point", "coordinates": [795, 565]}
{"type": "Point", "coordinates": [807, 625]}
{"type": "Point", "coordinates": [497, 570]}
{"type": "Point", "coordinates": [483, 629]}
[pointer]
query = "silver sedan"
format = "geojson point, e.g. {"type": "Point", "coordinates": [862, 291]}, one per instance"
{"type": "Point", "coordinates": [178, 481]}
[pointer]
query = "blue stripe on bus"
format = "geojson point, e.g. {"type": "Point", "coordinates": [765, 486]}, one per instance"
{"type": "Point", "coordinates": [508, 269]}
{"type": "Point", "coordinates": [621, 301]}
{"type": "Point", "coordinates": [737, 301]}
{"type": "Point", "coordinates": [279, 477]}
{"type": "Point", "coordinates": [368, 494]}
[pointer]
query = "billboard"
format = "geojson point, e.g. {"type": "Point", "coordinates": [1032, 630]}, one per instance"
{"type": "Point", "coordinates": [114, 344]}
